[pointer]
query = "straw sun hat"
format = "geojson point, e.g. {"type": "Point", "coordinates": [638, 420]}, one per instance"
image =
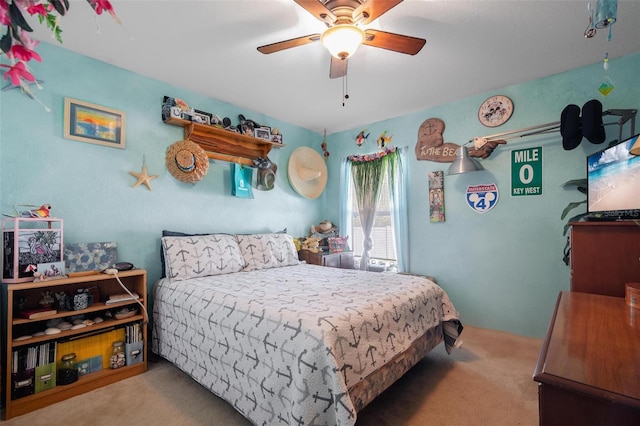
{"type": "Point", "coordinates": [187, 161]}
{"type": "Point", "coordinates": [307, 172]}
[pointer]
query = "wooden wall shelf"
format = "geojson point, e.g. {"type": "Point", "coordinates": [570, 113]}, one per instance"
{"type": "Point", "coordinates": [224, 145]}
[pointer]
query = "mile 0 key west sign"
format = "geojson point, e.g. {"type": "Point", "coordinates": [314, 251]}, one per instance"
{"type": "Point", "coordinates": [526, 172]}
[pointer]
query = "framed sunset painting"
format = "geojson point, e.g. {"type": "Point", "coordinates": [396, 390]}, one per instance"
{"type": "Point", "coordinates": [92, 123]}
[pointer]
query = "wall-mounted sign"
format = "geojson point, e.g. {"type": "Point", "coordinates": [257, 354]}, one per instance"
{"type": "Point", "coordinates": [431, 145]}
{"type": "Point", "coordinates": [436, 196]}
{"type": "Point", "coordinates": [482, 198]}
{"type": "Point", "coordinates": [526, 172]}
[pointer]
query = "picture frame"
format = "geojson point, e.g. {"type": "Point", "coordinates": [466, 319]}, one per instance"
{"type": "Point", "coordinates": [262, 133]}
{"type": "Point", "coordinates": [246, 129]}
{"type": "Point", "coordinates": [91, 123]}
{"type": "Point", "coordinates": [276, 138]}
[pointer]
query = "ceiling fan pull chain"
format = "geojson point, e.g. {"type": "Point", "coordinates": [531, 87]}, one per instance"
{"type": "Point", "coordinates": [345, 95]}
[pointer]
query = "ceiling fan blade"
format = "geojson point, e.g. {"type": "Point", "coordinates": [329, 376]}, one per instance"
{"type": "Point", "coordinates": [338, 67]}
{"type": "Point", "coordinates": [374, 9]}
{"type": "Point", "coordinates": [317, 9]}
{"type": "Point", "coordinates": [396, 42]}
{"type": "Point", "coordinates": [288, 44]}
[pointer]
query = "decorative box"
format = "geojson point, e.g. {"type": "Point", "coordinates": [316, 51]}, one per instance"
{"type": "Point", "coordinates": [45, 377]}
{"type": "Point", "coordinates": [26, 243]}
{"type": "Point", "coordinates": [337, 244]}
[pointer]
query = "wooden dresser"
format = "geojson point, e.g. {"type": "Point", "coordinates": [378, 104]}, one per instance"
{"type": "Point", "coordinates": [589, 364]}
{"type": "Point", "coordinates": [604, 256]}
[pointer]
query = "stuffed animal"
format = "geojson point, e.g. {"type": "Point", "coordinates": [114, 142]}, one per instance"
{"type": "Point", "coordinates": [311, 244]}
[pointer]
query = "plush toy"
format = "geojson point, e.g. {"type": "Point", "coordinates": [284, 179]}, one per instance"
{"type": "Point", "coordinates": [311, 244]}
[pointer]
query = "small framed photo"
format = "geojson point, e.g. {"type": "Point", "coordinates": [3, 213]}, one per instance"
{"type": "Point", "coordinates": [263, 133]}
{"type": "Point", "coordinates": [246, 129]}
{"type": "Point", "coordinates": [50, 270]}
{"type": "Point", "coordinates": [86, 122]}
{"type": "Point", "coordinates": [276, 138]}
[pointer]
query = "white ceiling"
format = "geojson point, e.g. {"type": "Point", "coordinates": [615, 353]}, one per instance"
{"type": "Point", "coordinates": [473, 47]}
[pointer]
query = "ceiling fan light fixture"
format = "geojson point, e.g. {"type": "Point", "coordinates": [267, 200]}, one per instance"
{"type": "Point", "coordinates": [342, 41]}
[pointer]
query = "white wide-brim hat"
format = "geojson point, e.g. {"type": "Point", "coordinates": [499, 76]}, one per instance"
{"type": "Point", "coordinates": [187, 161]}
{"type": "Point", "coordinates": [307, 172]}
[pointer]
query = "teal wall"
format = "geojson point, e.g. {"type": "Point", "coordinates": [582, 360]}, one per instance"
{"type": "Point", "coordinates": [503, 269]}
{"type": "Point", "coordinates": [89, 185]}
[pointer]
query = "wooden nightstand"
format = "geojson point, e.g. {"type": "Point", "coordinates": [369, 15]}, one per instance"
{"type": "Point", "coordinates": [333, 260]}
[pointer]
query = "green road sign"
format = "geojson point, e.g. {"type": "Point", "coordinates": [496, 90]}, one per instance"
{"type": "Point", "coordinates": [526, 172]}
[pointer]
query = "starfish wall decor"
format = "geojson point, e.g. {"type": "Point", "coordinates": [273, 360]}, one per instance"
{"type": "Point", "coordinates": [143, 177]}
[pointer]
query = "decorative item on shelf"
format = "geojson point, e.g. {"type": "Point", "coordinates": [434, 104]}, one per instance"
{"type": "Point", "coordinates": [143, 177]}
{"type": "Point", "coordinates": [67, 372]}
{"type": "Point", "coordinates": [177, 108]}
{"type": "Point", "coordinates": [311, 244]}
{"type": "Point", "coordinates": [276, 136]}
{"type": "Point", "coordinates": [248, 127]}
{"type": "Point", "coordinates": [28, 243]}
{"type": "Point", "coordinates": [89, 257]}
{"type": "Point", "coordinates": [117, 358]}
{"type": "Point", "coordinates": [266, 173]}
{"type": "Point", "coordinates": [262, 132]}
{"type": "Point", "coordinates": [307, 172]}
{"type": "Point", "coordinates": [50, 271]}
{"type": "Point", "coordinates": [241, 177]}
{"type": "Point", "coordinates": [47, 300]}
{"type": "Point", "coordinates": [187, 161]}
{"type": "Point", "coordinates": [337, 244]}
{"type": "Point", "coordinates": [324, 229]}
{"type": "Point", "coordinates": [39, 212]}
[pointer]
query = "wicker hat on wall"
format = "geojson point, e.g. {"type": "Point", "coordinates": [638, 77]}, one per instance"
{"type": "Point", "coordinates": [187, 161]}
{"type": "Point", "coordinates": [307, 172]}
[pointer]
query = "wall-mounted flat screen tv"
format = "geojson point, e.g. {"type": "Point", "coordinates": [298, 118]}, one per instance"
{"type": "Point", "coordinates": [613, 181]}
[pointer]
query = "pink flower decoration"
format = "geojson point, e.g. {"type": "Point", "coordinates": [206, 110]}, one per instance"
{"type": "Point", "coordinates": [16, 72]}
{"type": "Point", "coordinates": [5, 19]}
{"type": "Point", "coordinates": [21, 53]}
{"type": "Point", "coordinates": [27, 41]}
{"type": "Point", "coordinates": [38, 9]}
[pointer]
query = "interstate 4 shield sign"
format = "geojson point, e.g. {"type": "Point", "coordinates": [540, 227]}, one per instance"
{"type": "Point", "coordinates": [482, 198]}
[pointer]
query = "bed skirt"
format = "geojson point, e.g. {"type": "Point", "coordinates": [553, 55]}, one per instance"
{"type": "Point", "coordinates": [365, 391]}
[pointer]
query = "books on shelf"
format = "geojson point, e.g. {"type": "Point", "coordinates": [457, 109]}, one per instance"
{"type": "Point", "coordinates": [123, 297]}
{"type": "Point", "coordinates": [37, 313]}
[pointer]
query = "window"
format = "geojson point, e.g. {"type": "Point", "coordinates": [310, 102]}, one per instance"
{"type": "Point", "coordinates": [384, 248]}
{"type": "Point", "coordinates": [388, 220]}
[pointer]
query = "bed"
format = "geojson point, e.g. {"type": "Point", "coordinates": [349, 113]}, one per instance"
{"type": "Point", "coordinates": [287, 342]}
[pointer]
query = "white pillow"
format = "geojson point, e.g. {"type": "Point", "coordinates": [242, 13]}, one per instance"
{"type": "Point", "coordinates": [201, 256]}
{"type": "Point", "coordinates": [264, 251]}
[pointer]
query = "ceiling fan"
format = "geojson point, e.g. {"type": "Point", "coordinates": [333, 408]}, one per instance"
{"type": "Point", "coordinates": [343, 34]}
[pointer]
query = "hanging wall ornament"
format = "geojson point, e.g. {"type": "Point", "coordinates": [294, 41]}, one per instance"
{"type": "Point", "coordinates": [362, 137]}
{"type": "Point", "coordinates": [323, 145]}
{"type": "Point", "coordinates": [383, 140]}
{"type": "Point", "coordinates": [607, 85]}
{"type": "Point", "coordinates": [143, 177]}
{"type": "Point", "coordinates": [606, 15]}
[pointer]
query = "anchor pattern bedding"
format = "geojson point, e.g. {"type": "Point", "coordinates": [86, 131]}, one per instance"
{"type": "Point", "coordinates": [283, 345]}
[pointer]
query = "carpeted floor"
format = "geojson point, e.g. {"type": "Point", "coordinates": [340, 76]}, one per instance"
{"type": "Point", "coordinates": [488, 381]}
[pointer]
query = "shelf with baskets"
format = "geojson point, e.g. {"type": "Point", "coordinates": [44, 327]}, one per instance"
{"type": "Point", "coordinates": [29, 387]}
{"type": "Point", "coordinates": [225, 145]}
